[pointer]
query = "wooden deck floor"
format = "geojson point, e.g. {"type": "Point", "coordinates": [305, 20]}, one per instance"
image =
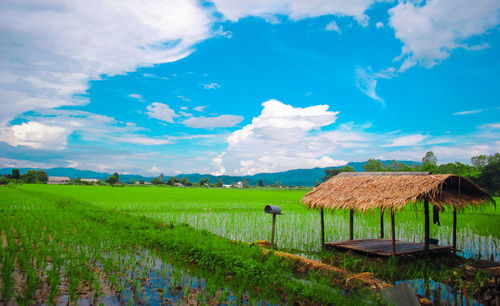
{"type": "Point", "coordinates": [383, 247]}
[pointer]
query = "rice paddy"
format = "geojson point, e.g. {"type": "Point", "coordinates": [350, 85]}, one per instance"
{"type": "Point", "coordinates": [238, 214]}
{"type": "Point", "coordinates": [56, 249]}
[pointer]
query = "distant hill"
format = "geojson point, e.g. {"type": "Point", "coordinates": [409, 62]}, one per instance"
{"type": "Point", "coordinates": [297, 177]}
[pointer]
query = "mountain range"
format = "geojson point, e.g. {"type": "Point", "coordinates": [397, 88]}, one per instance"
{"type": "Point", "coordinates": [297, 177]}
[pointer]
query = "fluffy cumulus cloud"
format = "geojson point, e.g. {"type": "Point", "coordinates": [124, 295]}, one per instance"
{"type": "Point", "coordinates": [283, 137]}
{"type": "Point", "coordinates": [51, 49]}
{"type": "Point", "coordinates": [430, 30]}
{"type": "Point", "coordinates": [296, 9]}
{"type": "Point", "coordinates": [161, 112]}
{"type": "Point", "coordinates": [36, 135]}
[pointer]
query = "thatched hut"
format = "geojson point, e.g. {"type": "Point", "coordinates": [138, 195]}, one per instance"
{"type": "Point", "coordinates": [365, 191]}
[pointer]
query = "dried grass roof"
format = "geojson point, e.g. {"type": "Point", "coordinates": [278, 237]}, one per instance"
{"type": "Point", "coordinates": [367, 191]}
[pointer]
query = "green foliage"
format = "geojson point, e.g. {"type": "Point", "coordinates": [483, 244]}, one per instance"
{"type": "Point", "coordinates": [260, 183]}
{"type": "Point", "coordinates": [113, 179]}
{"type": "Point", "coordinates": [490, 176]}
{"type": "Point", "coordinates": [184, 181]}
{"type": "Point", "coordinates": [373, 165]}
{"type": "Point", "coordinates": [204, 181]}
{"type": "Point", "coordinates": [429, 158]}
{"type": "Point", "coordinates": [329, 173]}
{"type": "Point", "coordinates": [156, 181]}
{"type": "Point", "coordinates": [16, 174]}
{"type": "Point", "coordinates": [219, 183]}
{"type": "Point", "coordinates": [172, 181]}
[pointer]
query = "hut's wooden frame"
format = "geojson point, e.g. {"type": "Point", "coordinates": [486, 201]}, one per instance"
{"type": "Point", "coordinates": [364, 191]}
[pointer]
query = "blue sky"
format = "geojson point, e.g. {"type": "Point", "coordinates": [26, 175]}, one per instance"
{"type": "Point", "coordinates": [243, 87]}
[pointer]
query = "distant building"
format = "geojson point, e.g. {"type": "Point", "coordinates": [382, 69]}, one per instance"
{"type": "Point", "coordinates": [226, 186]}
{"type": "Point", "coordinates": [178, 185]}
{"type": "Point", "coordinates": [239, 185]}
{"type": "Point", "coordinates": [58, 180]}
{"type": "Point", "coordinates": [91, 180]}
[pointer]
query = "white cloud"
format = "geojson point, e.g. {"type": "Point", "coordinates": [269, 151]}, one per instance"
{"type": "Point", "coordinates": [136, 96]}
{"type": "Point", "coordinates": [213, 122]}
{"type": "Point", "coordinates": [142, 140]}
{"type": "Point", "coordinates": [379, 25]}
{"type": "Point", "coordinates": [51, 49]}
{"type": "Point", "coordinates": [333, 26]}
{"type": "Point", "coordinates": [491, 125]}
{"type": "Point", "coordinates": [211, 86]}
{"type": "Point", "coordinates": [431, 31]}
{"type": "Point", "coordinates": [470, 112]}
{"type": "Point", "coordinates": [296, 9]}
{"type": "Point", "coordinates": [406, 141]}
{"type": "Point", "coordinates": [284, 137]}
{"type": "Point", "coordinates": [161, 111]}
{"type": "Point", "coordinates": [185, 114]}
{"type": "Point", "coordinates": [366, 80]}
{"type": "Point", "coordinates": [36, 135]}
{"type": "Point", "coordinates": [200, 108]}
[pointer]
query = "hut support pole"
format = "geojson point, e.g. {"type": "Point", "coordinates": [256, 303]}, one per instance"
{"type": "Point", "coordinates": [322, 228]}
{"type": "Point", "coordinates": [426, 233]}
{"type": "Point", "coordinates": [393, 233]}
{"type": "Point", "coordinates": [382, 223]}
{"type": "Point", "coordinates": [454, 230]}
{"type": "Point", "coordinates": [351, 221]}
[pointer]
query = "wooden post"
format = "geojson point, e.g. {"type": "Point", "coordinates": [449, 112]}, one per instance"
{"type": "Point", "coordinates": [382, 223]}
{"type": "Point", "coordinates": [426, 228]}
{"type": "Point", "coordinates": [274, 227]}
{"type": "Point", "coordinates": [393, 233]}
{"type": "Point", "coordinates": [351, 221]}
{"type": "Point", "coordinates": [455, 230]}
{"type": "Point", "coordinates": [322, 228]}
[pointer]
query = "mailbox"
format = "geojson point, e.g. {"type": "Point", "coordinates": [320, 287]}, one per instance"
{"type": "Point", "coordinates": [271, 209]}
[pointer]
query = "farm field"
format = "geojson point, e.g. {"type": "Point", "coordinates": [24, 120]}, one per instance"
{"type": "Point", "coordinates": [238, 214]}
{"type": "Point", "coordinates": [102, 244]}
{"type": "Point", "coordinates": [55, 249]}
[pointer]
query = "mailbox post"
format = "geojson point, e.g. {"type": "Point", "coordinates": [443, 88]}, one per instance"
{"type": "Point", "coordinates": [275, 210]}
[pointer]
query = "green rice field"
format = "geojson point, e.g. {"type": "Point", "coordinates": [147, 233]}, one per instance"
{"type": "Point", "coordinates": [163, 245]}
{"type": "Point", "coordinates": [238, 214]}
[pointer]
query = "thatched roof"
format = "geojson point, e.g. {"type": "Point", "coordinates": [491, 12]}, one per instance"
{"type": "Point", "coordinates": [370, 190]}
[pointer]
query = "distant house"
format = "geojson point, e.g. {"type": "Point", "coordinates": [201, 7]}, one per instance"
{"type": "Point", "coordinates": [58, 180]}
{"type": "Point", "coordinates": [239, 185]}
{"type": "Point", "coordinates": [226, 186]}
{"type": "Point", "coordinates": [90, 180]}
{"type": "Point", "coordinates": [178, 185]}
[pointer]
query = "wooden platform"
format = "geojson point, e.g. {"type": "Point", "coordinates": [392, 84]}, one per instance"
{"type": "Point", "coordinates": [383, 247]}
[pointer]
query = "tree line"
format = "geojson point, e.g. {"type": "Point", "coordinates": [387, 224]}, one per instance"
{"type": "Point", "coordinates": [484, 169]}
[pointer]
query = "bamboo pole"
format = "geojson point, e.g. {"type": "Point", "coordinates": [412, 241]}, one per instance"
{"type": "Point", "coordinates": [393, 233]}
{"type": "Point", "coordinates": [454, 230]}
{"type": "Point", "coordinates": [426, 227]}
{"type": "Point", "coordinates": [351, 222]}
{"type": "Point", "coordinates": [322, 228]}
{"type": "Point", "coordinates": [382, 223]}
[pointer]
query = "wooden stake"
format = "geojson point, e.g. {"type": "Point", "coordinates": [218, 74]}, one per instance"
{"type": "Point", "coordinates": [382, 223]}
{"type": "Point", "coordinates": [351, 222]}
{"type": "Point", "coordinates": [426, 228]}
{"type": "Point", "coordinates": [454, 230]}
{"type": "Point", "coordinates": [274, 227]}
{"type": "Point", "coordinates": [322, 227]}
{"type": "Point", "coordinates": [393, 233]}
